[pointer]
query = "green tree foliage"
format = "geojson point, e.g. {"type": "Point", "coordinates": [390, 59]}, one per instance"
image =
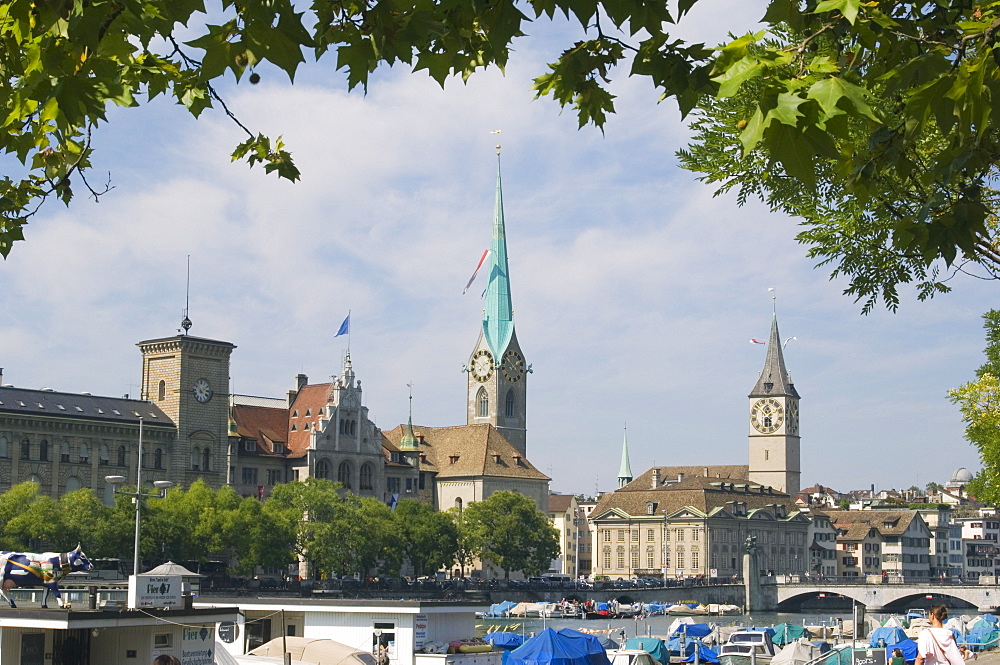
{"type": "Point", "coordinates": [979, 402]}
{"type": "Point", "coordinates": [428, 539]}
{"type": "Point", "coordinates": [875, 108]}
{"type": "Point", "coordinates": [513, 533]}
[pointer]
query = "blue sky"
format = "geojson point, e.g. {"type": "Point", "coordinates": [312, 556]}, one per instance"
{"type": "Point", "coordinates": [635, 291]}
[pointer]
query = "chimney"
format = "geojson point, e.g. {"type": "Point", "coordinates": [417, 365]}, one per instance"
{"type": "Point", "coordinates": [656, 477]}
{"type": "Point", "coordinates": [292, 394]}
{"type": "Point", "coordinates": [1, 376]}
{"type": "Point", "coordinates": [680, 477]}
{"type": "Point", "coordinates": [301, 380]}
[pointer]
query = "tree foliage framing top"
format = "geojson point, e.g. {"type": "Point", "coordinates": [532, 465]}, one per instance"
{"type": "Point", "coordinates": [861, 94]}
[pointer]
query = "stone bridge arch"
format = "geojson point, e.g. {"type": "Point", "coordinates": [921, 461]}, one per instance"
{"type": "Point", "coordinates": [892, 597]}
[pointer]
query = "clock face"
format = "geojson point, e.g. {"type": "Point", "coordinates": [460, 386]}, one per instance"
{"type": "Point", "coordinates": [482, 365]}
{"type": "Point", "coordinates": [202, 391]}
{"type": "Point", "coordinates": [793, 418]}
{"type": "Point", "coordinates": [513, 366]}
{"type": "Point", "coordinates": [766, 415]}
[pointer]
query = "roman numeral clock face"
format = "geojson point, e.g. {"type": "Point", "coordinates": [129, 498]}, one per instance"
{"type": "Point", "coordinates": [766, 415]}
{"type": "Point", "coordinates": [482, 365]}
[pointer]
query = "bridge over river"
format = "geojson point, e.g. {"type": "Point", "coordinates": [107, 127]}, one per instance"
{"type": "Point", "coordinates": [884, 597]}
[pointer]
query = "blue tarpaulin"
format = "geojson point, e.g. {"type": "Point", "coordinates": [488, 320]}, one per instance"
{"type": "Point", "coordinates": [563, 647]}
{"type": "Point", "coordinates": [500, 609]}
{"type": "Point", "coordinates": [888, 635]}
{"type": "Point", "coordinates": [705, 655]}
{"type": "Point", "coordinates": [502, 640]}
{"type": "Point", "coordinates": [982, 636]}
{"type": "Point", "coordinates": [673, 646]}
{"type": "Point", "coordinates": [652, 645]}
{"type": "Point", "coordinates": [693, 630]}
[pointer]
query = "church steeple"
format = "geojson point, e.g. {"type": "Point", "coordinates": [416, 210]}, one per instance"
{"type": "Point", "coordinates": [498, 312]}
{"type": "Point", "coordinates": [409, 440]}
{"type": "Point", "coordinates": [774, 379]}
{"type": "Point", "coordinates": [625, 469]}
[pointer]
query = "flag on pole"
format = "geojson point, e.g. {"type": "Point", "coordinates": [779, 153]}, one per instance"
{"type": "Point", "coordinates": [482, 260]}
{"type": "Point", "coordinates": [345, 327]}
{"type": "Point", "coordinates": [756, 341]}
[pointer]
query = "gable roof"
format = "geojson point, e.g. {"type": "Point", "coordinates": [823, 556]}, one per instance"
{"type": "Point", "coordinates": [560, 503]}
{"type": "Point", "coordinates": [672, 473]}
{"type": "Point", "coordinates": [468, 450]}
{"type": "Point", "coordinates": [702, 494]}
{"type": "Point", "coordinates": [266, 425]}
{"type": "Point", "coordinates": [888, 522]}
{"type": "Point", "coordinates": [312, 400]}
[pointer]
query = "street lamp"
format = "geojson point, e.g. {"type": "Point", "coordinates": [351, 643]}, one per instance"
{"type": "Point", "coordinates": [161, 485]}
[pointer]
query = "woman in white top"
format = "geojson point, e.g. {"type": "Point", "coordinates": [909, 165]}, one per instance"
{"type": "Point", "coordinates": [936, 645]}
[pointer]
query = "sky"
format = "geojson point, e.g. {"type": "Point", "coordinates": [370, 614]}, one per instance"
{"type": "Point", "coordinates": [635, 290]}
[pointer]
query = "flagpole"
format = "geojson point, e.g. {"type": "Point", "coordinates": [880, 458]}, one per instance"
{"type": "Point", "coordinates": [348, 333]}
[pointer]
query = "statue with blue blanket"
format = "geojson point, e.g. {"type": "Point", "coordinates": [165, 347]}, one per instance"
{"type": "Point", "coordinates": [28, 569]}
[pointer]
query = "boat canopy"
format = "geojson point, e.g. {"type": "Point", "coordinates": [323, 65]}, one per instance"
{"type": "Point", "coordinates": [562, 647]}
{"type": "Point", "coordinates": [654, 646]}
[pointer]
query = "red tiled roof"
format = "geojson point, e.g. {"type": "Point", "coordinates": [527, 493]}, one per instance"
{"type": "Point", "coordinates": [264, 424]}
{"type": "Point", "coordinates": [311, 399]}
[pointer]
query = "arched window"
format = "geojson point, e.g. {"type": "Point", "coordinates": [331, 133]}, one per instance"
{"type": "Point", "coordinates": [43, 450]}
{"type": "Point", "coordinates": [64, 452]}
{"type": "Point", "coordinates": [341, 425]}
{"type": "Point", "coordinates": [103, 455]}
{"type": "Point", "coordinates": [484, 403]}
{"type": "Point", "coordinates": [83, 452]}
{"type": "Point", "coordinates": [509, 407]}
{"type": "Point", "coordinates": [121, 456]}
{"type": "Point", "coordinates": [344, 474]}
{"type": "Point", "coordinates": [161, 392]}
{"type": "Point", "coordinates": [3, 446]}
{"type": "Point", "coordinates": [73, 483]}
{"type": "Point", "coordinates": [195, 458]}
{"type": "Point", "coordinates": [322, 469]}
{"type": "Point", "coordinates": [365, 482]}
{"type": "Point", "coordinates": [158, 458]}
{"type": "Point", "coordinates": [354, 427]}
{"type": "Point", "coordinates": [206, 457]}
{"type": "Point", "coordinates": [25, 449]}
{"type": "Point", "coordinates": [458, 504]}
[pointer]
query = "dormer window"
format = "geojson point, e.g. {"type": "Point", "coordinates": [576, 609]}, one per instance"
{"type": "Point", "coordinates": [309, 412]}
{"type": "Point", "coordinates": [294, 428]}
{"type": "Point", "coordinates": [453, 459]}
{"type": "Point", "coordinates": [517, 460]}
{"type": "Point", "coordinates": [650, 507]}
{"type": "Point", "coordinates": [496, 458]}
{"type": "Point", "coordinates": [295, 413]}
{"type": "Point", "coordinates": [305, 425]}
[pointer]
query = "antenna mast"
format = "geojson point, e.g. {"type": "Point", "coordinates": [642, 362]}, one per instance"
{"type": "Point", "coordinates": [186, 322]}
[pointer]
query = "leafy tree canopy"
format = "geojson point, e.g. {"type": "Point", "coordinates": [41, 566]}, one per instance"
{"type": "Point", "coordinates": [883, 108]}
{"type": "Point", "coordinates": [512, 533]}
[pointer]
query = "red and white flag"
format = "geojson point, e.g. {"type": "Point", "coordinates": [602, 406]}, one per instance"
{"type": "Point", "coordinates": [480, 265]}
{"type": "Point", "coordinates": [756, 341]}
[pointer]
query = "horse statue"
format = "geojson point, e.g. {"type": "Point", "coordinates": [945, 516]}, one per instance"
{"type": "Point", "coordinates": [27, 569]}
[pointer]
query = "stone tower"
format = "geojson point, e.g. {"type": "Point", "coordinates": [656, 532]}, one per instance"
{"type": "Point", "coordinates": [188, 378]}
{"type": "Point", "coordinates": [774, 423]}
{"type": "Point", "coordinates": [498, 375]}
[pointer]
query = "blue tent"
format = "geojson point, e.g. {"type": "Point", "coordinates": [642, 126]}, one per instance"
{"type": "Point", "coordinates": [693, 630]}
{"type": "Point", "coordinates": [888, 635]}
{"type": "Point", "coordinates": [563, 647]}
{"type": "Point", "coordinates": [502, 640]}
{"type": "Point", "coordinates": [705, 655]}
{"type": "Point", "coordinates": [908, 647]}
{"type": "Point", "coordinates": [652, 645]}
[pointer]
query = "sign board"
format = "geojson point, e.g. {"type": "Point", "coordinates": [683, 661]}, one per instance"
{"type": "Point", "coordinates": [714, 572]}
{"type": "Point", "coordinates": [198, 645]}
{"type": "Point", "coordinates": [419, 632]}
{"type": "Point", "coordinates": [228, 631]}
{"type": "Point", "coordinates": [869, 656]}
{"type": "Point", "coordinates": [154, 591]}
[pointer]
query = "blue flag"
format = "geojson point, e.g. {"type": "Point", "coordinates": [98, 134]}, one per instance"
{"type": "Point", "coordinates": [345, 327]}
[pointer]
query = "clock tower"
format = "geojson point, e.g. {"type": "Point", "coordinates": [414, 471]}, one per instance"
{"type": "Point", "coordinates": [774, 423]}
{"type": "Point", "coordinates": [497, 373]}
{"type": "Point", "coordinates": [188, 378]}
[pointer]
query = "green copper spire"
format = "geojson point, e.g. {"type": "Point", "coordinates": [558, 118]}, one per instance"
{"type": "Point", "coordinates": [625, 470]}
{"type": "Point", "coordinates": [498, 313]}
{"type": "Point", "coordinates": [409, 440]}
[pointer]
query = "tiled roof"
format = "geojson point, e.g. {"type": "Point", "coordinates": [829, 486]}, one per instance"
{"type": "Point", "coordinates": [311, 400]}
{"type": "Point", "coordinates": [703, 494]}
{"type": "Point", "coordinates": [264, 424]}
{"type": "Point", "coordinates": [888, 522]}
{"type": "Point", "coordinates": [672, 473]}
{"type": "Point", "coordinates": [77, 406]}
{"type": "Point", "coordinates": [856, 532]}
{"type": "Point", "coordinates": [468, 450]}
{"type": "Point", "coordinates": [560, 503]}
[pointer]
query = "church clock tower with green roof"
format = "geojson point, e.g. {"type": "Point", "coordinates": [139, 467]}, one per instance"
{"type": "Point", "coordinates": [498, 374]}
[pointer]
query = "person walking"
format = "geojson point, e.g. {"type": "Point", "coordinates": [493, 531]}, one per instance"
{"type": "Point", "coordinates": [936, 645]}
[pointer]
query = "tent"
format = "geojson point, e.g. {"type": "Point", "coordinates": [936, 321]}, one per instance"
{"type": "Point", "coordinates": [504, 640]}
{"type": "Point", "coordinates": [888, 635]}
{"type": "Point", "coordinates": [652, 645]}
{"type": "Point", "coordinates": [796, 652]}
{"type": "Point", "coordinates": [705, 655]}
{"type": "Point", "coordinates": [908, 647]}
{"type": "Point", "coordinates": [785, 633]}
{"type": "Point", "coordinates": [312, 650]}
{"type": "Point", "coordinates": [562, 647]}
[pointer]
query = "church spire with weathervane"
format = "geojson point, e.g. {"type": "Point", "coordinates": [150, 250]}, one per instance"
{"type": "Point", "coordinates": [409, 440]}
{"type": "Point", "coordinates": [625, 470]}
{"type": "Point", "coordinates": [497, 381]}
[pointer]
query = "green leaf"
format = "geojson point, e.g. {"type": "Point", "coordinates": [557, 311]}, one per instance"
{"type": "Point", "coordinates": [849, 8]}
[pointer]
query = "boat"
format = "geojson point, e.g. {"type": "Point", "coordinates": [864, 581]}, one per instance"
{"type": "Point", "coordinates": [631, 657]}
{"type": "Point", "coordinates": [916, 613]}
{"type": "Point", "coordinates": [747, 646]}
